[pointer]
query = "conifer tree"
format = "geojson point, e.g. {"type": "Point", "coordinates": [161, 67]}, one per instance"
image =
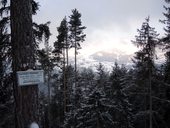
{"type": "Point", "coordinates": [76, 34]}
{"type": "Point", "coordinates": [61, 50]}
{"type": "Point", "coordinates": [123, 116]}
{"type": "Point", "coordinates": [57, 111]}
{"type": "Point", "coordinates": [87, 81]}
{"type": "Point", "coordinates": [101, 75]}
{"type": "Point", "coordinates": [146, 40]}
{"type": "Point", "coordinates": [96, 111]}
{"type": "Point", "coordinates": [166, 43]}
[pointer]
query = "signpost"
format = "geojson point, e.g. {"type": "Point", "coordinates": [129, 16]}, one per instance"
{"type": "Point", "coordinates": [30, 77]}
{"type": "Point", "coordinates": [27, 82]}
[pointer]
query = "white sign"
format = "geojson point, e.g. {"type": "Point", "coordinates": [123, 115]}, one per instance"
{"type": "Point", "coordinates": [30, 77]}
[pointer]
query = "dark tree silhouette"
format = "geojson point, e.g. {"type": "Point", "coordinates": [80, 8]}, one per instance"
{"type": "Point", "coordinates": [146, 40]}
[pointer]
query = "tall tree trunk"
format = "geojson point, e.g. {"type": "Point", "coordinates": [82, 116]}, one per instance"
{"type": "Point", "coordinates": [75, 59]}
{"type": "Point", "coordinates": [48, 85]}
{"type": "Point", "coordinates": [75, 73]}
{"type": "Point", "coordinates": [64, 81]}
{"type": "Point", "coordinates": [75, 79]}
{"type": "Point", "coordinates": [67, 47]}
{"type": "Point", "coordinates": [23, 58]}
{"type": "Point", "coordinates": [66, 72]}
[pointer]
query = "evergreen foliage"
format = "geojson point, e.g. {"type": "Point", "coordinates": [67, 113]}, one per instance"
{"type": "Point", "coordinates": [61, 46]}
{"type": "Point", "coordinates": [95, 111]}
{"type": "Point", "coordinates": [147, 88]}
{"type": "Point", "coordinates": [76, 29]}
{"type": "Point", "coordinates": [166, 43]}
{"type": "Point", "coordinates": [123, 115]}
{"type": "Point", "coordinates": [6, 99]}
{"type": "Point", "coordinates": [76, 35]}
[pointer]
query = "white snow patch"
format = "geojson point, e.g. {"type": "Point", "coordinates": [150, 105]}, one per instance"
{"type": "Point", "coordinates": [34, 125]}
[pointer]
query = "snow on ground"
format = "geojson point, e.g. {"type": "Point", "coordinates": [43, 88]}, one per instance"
{"type": "Point", "coordinates": [34, 125]}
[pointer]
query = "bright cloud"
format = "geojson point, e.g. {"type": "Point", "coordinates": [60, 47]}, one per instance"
{"type": "Point", "coordinates": [108, 40]}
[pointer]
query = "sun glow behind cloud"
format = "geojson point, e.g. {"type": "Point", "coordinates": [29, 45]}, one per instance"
{"type": "Point", "coordinates": [108, 40]}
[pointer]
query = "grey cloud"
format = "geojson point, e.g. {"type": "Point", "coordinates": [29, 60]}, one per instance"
{"type": "Point", "coordinates": [97, 14]}
{"type": "Point", "coordinates": [100, 12]}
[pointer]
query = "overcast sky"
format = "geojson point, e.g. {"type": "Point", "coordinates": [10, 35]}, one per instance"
{"type": "Point", "coordinates": [111, 24]}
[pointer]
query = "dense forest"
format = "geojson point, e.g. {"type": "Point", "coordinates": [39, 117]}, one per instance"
{"type": "Point", "coordinates": [74, 96]}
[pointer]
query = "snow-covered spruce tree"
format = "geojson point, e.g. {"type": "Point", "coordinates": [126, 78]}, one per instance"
{"type": "Point", "coordinates": [102, 76]}
{"type": "Point", "coordinates": [115, 78]}
{"type": "Point", "coordinates": [123, 115]}
{"type": "Point", "coordinates": [96, 111]}
{"type": "Point", "coordinates": [87, 89]}
{"type": "Point", "coordinates": [87, 81]}
{"type": "Point", "coordinates": [57, 102]}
